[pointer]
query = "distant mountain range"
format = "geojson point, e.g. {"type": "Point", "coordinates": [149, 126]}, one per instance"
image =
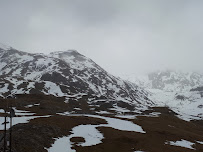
{"type": "Point", "coordinates": [181, 92]}
{"type": "Point", "coordinates": [169, 80]}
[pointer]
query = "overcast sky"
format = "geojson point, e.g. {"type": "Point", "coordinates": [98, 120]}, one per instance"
{"type": "Point", "coordinates": [123, 36]}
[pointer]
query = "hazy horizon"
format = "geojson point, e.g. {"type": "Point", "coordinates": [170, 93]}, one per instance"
{"type": "Point", "coordinates": [123, 37]}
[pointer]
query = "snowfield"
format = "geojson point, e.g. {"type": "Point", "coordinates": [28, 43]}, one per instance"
{"type": "Point", "coordinates": [188, 109]}
{"type": "Point", "coordinates": [21, 117]}
{"type": "Point", "coordinates": [91, 135]}
{"type": "Point", "coordinates": [172, 89]}
{"type": "Point", "coordinates": [181, 143]}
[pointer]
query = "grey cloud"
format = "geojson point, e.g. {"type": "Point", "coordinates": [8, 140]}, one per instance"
{"type": "Point", "coordinates": [124, 37]}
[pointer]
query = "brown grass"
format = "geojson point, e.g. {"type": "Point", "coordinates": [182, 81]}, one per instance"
{"type": "Point", "coordinates": [41, 132]}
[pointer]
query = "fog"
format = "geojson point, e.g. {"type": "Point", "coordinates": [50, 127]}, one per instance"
{"type": "Point", "coordinates": [123, 36]}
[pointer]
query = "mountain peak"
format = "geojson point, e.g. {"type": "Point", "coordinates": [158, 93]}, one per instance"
{"type": "Point", "coordinates": [65, 73]}
{"type": "Point", "coordinates": [4, 47]}
{"type": "Point", "coordinates": [68, 52]}
{"type": "Point", "coordinates": [72, 51]}
{"type": "Point", "coordinates": [74, 59]}
{"type": "Point", "coordinates": [170, 80]}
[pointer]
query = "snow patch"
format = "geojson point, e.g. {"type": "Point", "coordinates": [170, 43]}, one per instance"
{"type": "Point", "coordinates": [200, 142]}
{"type": "Point", "coordinates": [4, 89]}
{"type": "Point", "coordinates": [53, 89]}
{"type": "Point", "coordinates": [91, 135]}
{"type": "Point", "coordinates": [181, 143]}
{"type": "Point", "coordinates": [22, 117]}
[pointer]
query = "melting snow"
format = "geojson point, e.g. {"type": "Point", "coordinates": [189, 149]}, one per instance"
{"type": "Point", "coordinates": [120, 109]}
{"type": "Point", "coordinates": [26, 116]}
{"type": "Point", "coordinates": [61, 145]}
{"type": "Point", "coordinates": [23, 58]}
{"type": "Point", "coordinates": [53, 88]}
{"type": "Point", "coordinates": [17, 72]}
{"type": "Point", "coordinates": [181, 143]}
{"type": "Point", "coordinates": [200, 142]}
{"type": "Point", "coordinates": [101, 112]}
{"type": "Point", "coordinates": [31, 85]}
{"type": "Point", "coordinates": [186, 109]}
{"type": "Point", "coordinates": [89, 132]}
{"type": "Point", "coordinates": [126, 116]}
{"type": "Point", "coordinates": [4, 89]}
{"type": "Point", "coordinates": [77, 108]}
{"type": "Point", "coordinates": [120, 124]}
{"type": "Point", "coordinates": [29, 106]}
{"type": "Point", "coordinates": [17, 120]}
{"type": "Point", "coordinates": [91, 135]}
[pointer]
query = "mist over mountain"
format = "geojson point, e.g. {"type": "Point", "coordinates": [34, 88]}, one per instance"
{"type": "Point", "coordinates": [181, 91]}
{"type": "Point", "coordinates": [168, 80]}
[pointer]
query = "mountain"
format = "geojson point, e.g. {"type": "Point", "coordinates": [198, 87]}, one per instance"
{"type": "Point", "coordinates": [66, 74]}
{"type": "Point", "coordinates": [65, 101]}
{"type": "Point", "coordinates": [181, 92]}
{"type": "Point", "coordinates": [169, 80]}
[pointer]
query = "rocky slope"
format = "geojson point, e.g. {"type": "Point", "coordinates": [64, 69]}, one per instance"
{"type": "Point", "coordinates": [65, 74]}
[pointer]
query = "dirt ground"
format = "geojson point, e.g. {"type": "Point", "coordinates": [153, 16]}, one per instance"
{"type": "Point", "coordinates": [40, 133]}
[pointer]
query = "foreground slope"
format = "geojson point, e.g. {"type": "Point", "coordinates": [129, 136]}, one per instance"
{"type": "Point", "coordinates": [39, 128]}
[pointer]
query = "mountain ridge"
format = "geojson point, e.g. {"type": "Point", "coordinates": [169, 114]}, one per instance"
{"type": "Point", "coordinates": [168, 80]}
{"type": "Point", "coordinates": [65, 74]}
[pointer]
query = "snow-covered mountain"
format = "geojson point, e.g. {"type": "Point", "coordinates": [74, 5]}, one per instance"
{"type": "Point", "coordinates": [182, 92]}
{"type": "Point", "coordinates": [64, 74]}
{"type": "Point", "coordinates": [169, 80]}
